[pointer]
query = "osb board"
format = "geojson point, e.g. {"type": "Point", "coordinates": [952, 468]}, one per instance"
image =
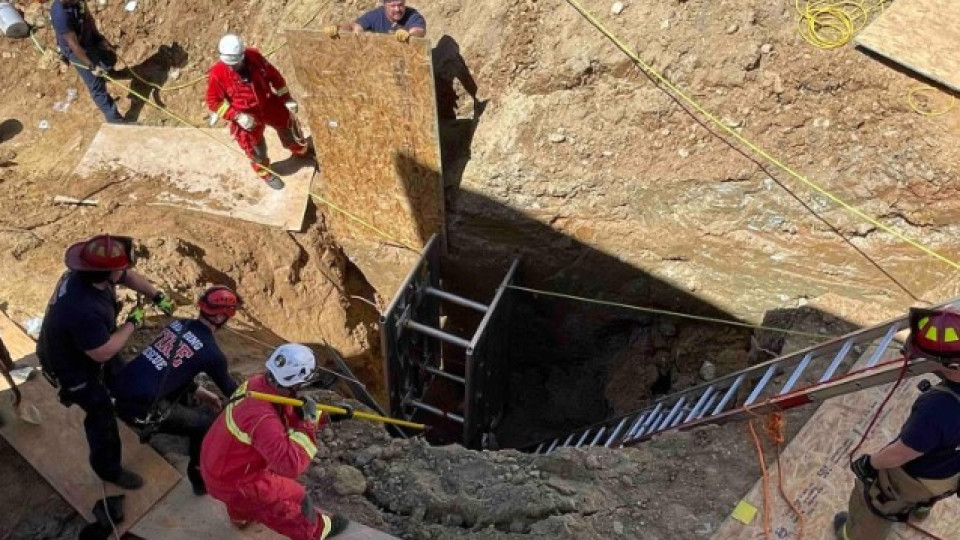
{"type": "Point", "coordinates": [817, 473]}
{"type": "Point", "coordinates": [181, 514]}
{"type": "Point", "coordinates": [372, 112]}
{"type": "Point", "coordinates": [57, 449]}
{"type": "Point", "coordinates": [199, 174]}
{"type": "Point", "coordinates": [921, 35]}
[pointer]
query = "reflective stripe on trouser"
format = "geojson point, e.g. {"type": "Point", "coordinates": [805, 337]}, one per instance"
{"type": "Point", "coordinates": [274, 501]}
{"type": "Point", "coordinates": [894, 492]}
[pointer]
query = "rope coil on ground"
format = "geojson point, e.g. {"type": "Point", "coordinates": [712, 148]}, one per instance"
{"type": "Point", "coordinates": [830, 24]}
{"type": "Point", "coordinates": [924, 111]}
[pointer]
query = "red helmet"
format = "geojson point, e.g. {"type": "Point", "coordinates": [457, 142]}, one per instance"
{"type": "Point", "coordinates": [219, 300]}
{"type": "Point", "coordinates": [935, 332]}
{"type": "Point", "coordinates": [102, 253]}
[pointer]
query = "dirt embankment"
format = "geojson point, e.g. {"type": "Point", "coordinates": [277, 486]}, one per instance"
{"type": "Point", "coordinates": [601, 182]}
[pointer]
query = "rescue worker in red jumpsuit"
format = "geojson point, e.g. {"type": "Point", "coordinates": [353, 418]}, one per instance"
{"type": "Point", "coordinates": [245, 89]}
{"type": "Point", "coordinates": [255, 450]}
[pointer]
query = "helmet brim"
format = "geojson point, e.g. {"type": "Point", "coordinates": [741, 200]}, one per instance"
{"type": "Point", "coordinates": [74, 261]}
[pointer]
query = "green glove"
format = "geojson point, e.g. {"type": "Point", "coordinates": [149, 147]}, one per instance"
{"type": "Point", "coordinates": [136, 317]}
{"type": "Point", "coordinates": [163, 303]}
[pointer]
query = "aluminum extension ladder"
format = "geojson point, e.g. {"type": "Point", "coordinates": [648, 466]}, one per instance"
{"type": "Point", "coordinates": [815, 374]}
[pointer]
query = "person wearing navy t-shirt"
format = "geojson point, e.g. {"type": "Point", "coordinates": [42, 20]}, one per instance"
{"type": "Point", "coordinates": [390, 17]}
{"type": "Point", "coordinates": [87, 50]}
{"type": "Point", "coordinates": [913, 472]}
{"type": "Point", "coordinates": [153, 391]}
{"type": "Point", "coordinates": [79, 337]}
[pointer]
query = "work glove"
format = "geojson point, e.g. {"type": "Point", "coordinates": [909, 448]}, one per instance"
{"type": "Point", "coordinates": [136, 317]}
{"type": "Point", "coordinates": [308, 411]}
{"type": "Point", "coordinates": [163, 303]}
{"type": "Point", "coordinates": [331, 31]}
{"type": "Point", "coordinates": [98, 71]}
{"type": "Point", "coordinates": [337, 417]}
{"type": "Point", "coordinates": [213, 119]}
{"type": "Point", "coordinates": [245, 121]}
{"type": "Point", "coordinates": [402, 35]}
{"type": "Point", "coordinates": [292, 106]}
{"type": "Point", "coordinates": [864, 470]}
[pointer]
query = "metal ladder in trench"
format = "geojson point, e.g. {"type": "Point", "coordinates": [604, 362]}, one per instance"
{"type": "Point", "coordinates": [815, 374]}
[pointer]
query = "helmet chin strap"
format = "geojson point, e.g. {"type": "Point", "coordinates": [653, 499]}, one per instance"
{"type": "Point", "coordinates": [207, 318]}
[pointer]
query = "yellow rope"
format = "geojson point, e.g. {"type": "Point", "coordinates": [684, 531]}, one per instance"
{"type": "Point", "coordinates": [911, 100]}
{"type": "Point", "coordinates": [829, 24]}
{"type": "Point", "coordinates": [748, 143]}
{"type": "Point", "coordinates": [677, 314]}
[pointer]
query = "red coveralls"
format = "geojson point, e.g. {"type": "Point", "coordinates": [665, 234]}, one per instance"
{"type": "Point", "coordinates": [251, 457]}
{"type": "Point", "coordinates": [263, 97]}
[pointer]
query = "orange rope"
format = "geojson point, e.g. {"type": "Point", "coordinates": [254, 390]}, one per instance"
{"type": "Point", "coordinates": [775, 432]}
{"type": "Point", "coordinates": [766, 480]}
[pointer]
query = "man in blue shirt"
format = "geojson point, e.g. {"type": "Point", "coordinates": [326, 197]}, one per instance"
{"type": "Point", "coordinates": [79, 336]}
{"type": "Point", "coordinates": [85, 47]}
{"type": "Point", "coordinates": [912, 473]}
{"type": "Point", "coordinates": [152, 392]}
{"type": "Point", "coordinates": [392, 16]}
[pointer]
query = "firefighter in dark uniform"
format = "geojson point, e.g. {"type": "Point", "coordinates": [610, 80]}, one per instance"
{"type": "Point", "coordinates": [79, 336]}
{"type": "Point", "coordinates": [922, 466]}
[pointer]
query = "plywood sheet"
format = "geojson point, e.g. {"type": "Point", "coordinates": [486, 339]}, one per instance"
{"type": "Point", "coordinates": [817, 474]}
{"type": "Point", "coordinates": [921, 35]}
{"type": "Point", "coordinates": [181, 514]}
{"type": "Point", "coordinates": [197, 173]}
{"type": "Point", "coordinates": [372, 112]}
{"type": "Point", "coordinates": [57, 449]}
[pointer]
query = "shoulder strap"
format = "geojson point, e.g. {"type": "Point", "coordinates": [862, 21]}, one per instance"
{"type": "Point", "coordinates": [946, 389]}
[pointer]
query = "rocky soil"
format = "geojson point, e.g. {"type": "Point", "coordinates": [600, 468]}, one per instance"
{"type": "Point", "coordinates": [579, 164]}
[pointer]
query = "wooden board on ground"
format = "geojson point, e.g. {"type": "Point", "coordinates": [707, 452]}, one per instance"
{"type": "Point", "coordinates": [199, 174]}
{"type": "Point", "coordinates": [372, 112]}
{"type": "Point", "coordinates": [181, 514]}
{"type": "Point", "coordinates": [57, 448]}
{"type": "Point", "coordinates": [921, 35]}
{"type": "Point", "coordinates": [817, 474]}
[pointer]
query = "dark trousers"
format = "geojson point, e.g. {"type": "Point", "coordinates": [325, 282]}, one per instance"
{"type": "Point", "coordinates": [98, 85]}
{"type": "Point", "coordinates": [183, 420]}
{"type": "Point", "coordinates": [100, 426]}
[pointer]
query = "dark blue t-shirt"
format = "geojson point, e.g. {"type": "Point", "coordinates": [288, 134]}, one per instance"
{"type": "Point", "coordinates": [376, 20]}
{"type": "Point", "coordinates": [934, 429]}
{"type": "Point", "coordinates": [79, 317]}
{"type": "Point", "coordinates": [166, 368]}
{"type": "Point", "coordinates": [73, 18]}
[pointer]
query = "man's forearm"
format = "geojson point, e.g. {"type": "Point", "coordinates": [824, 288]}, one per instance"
{"type": "Point", "coordinates": [114, 345]}
{"type": "Point", "coordinates": [418, 32]}
{"type": "Point", "coordinates": [80, 53]}
{"type": "Point", "coordinates": [894, 455]}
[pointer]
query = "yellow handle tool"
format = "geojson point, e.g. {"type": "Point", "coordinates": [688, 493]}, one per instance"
{"type": "Point", "coordinates": [280, 400]}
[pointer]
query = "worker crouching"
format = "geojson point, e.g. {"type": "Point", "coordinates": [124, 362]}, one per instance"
{"type": "Point", "coordinates": [245, 89]}
{"type": "Point", "coordinates": [255, 450]}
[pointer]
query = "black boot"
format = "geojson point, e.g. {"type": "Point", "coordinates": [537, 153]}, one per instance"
{"type": "Point", "coordinates": [338, 524]}
{"type": "Point", "coordinates": [127, 480]}
{"type": "Point", "coordinates": [196, 481]}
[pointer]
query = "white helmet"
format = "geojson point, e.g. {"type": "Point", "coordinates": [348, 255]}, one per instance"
{"type": "Point", "coordinates": [291, 364]}
{"type": "Point", "coordinates": [231, 49]}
